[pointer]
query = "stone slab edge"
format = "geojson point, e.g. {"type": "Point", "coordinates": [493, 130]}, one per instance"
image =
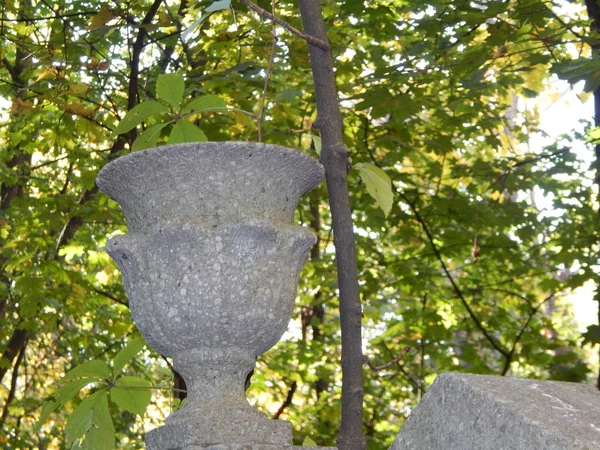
{"type": "Point", "coordinates": [467, 412]}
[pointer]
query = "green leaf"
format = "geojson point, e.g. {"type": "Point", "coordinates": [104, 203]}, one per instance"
{"type": "Point", "coordinates": [378, 184]}
{"type": "Point", "coordinates": [101, 435]}
{"type": "Point", "coordinates": [69, 390]}
{"type": "Point", "coordinates": [219, 5]}
{"type": "Point", "coordinates": [92, 419]}
{"type": "Point", "coordinates": [89, 369]}
{"type": "Point", "coordinates": [149, 138]}
{"type": "Point", "coordinates": [205, 103]}
{"type": "Point", "coordinates": [193, 26]}
{"type": "Point", "coordinates": [62, 396]}
{"type": "Point", "coordinates": [170, 88]}
{"type": "Point", "coordinates": [127, 353]}
{"type": "Point", "coordinates": [186, 132]}
{"type": "Point", "coordinates": [308, 442]}
{"type": "Point", "coordinates": [317, 143]}
{"type": "Point", "coordinates": [132, 394]}
{"type": "Point", "coordinates": [47, 409]}
{"type": "Point", "coordinates": [592, 335]}
{"type": "Point", "coordinates": [139, 114]}
{"type": "Point", "coordinates": [82, 419]}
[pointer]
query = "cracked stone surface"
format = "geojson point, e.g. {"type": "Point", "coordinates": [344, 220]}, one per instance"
{"type": "Point", "coordinates": [481, 412]}
{"type": "Point", "coordinates": [210, 265]}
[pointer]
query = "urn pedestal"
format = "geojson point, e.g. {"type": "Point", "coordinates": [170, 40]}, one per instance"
{"type": "Point", "coordinates": [210, 265]}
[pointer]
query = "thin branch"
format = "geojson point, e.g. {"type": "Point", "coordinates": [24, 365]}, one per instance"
{"type": "Point", "coordinates": [565, 24]}
{"type": "Point", "coordinates": [74, 222]}
{"type": "Point", "coordinates": [11, 69]}
{"type": "Point", "coordinates": [13, 385]}
{"type": "Point", "coordinates": [63, 190]}
{"type": "Point", "coordinates": [138, 45]}
{"type": "Point", "coordinates": [288, 400]}
{"type": "Point", "coordinates": [505, 173]}
{"type": "Point", "coordinates": [61, 16]}
{"type": "Point", "coordinates": [323, 45]}
{"type": "Point", "coordinates": [388, 364]}
{"type": "Point", "coordinates": [540, 157]}
{"type": "Point", "coordinates": [17, 342]}
{"type": "Point", "coordinates": [438, 255]}
{"type": "Point", "coordinates": [169, 365]}
{"type": "Point", "coordinates": [110, 296]}
{"type": "Point", "coordinates": [534, 310]}
{"type": "Point", "coordinates": [263, 98]}
{"type": "Point", "coordinates": [47, 163]}
{"type": "Point", "coordinates": [457, 290]}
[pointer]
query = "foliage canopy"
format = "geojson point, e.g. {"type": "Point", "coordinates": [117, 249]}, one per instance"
{"type": "Point", "coordinates": [459, 256]}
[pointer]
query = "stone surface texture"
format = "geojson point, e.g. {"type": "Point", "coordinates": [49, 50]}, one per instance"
{"type": "Point", "coordinates": [257, 447]}
{"type": "Point", "coordinates": [480, 412]}
{"type": "Point", "coordinates": [210, 265]}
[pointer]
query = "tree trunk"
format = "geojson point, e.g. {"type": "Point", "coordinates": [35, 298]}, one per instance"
{"type": "Point", "coordinates": [334, 157]}
{"type": "Point", "coordinates": [594, 14]}
{"type": "Point", "coordinates": [20, 163]}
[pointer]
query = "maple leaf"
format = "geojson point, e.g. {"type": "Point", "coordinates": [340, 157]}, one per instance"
{"type": "Point", "coordinates": [100, 19]}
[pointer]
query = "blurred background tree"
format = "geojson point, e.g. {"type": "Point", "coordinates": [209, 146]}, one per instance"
{"type": "Point", "coordinates": [488, 232]}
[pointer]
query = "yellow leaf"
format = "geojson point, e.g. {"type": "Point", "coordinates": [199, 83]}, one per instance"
{"type": "Point", "coordinates": [19, 106]}
{"type": "Point", "coordinates": [100, 19]}
{"type": "Point", "coordinates": [77, 89]}
{"type": "Point", "coordinates": [23, 29]}
{"type": "Point", "coordinates": [78, 292]}
{"type": "Point", "coordinates": [97, 65]}
{"type": "Point", "coordinates": [164, 20]}
{"type": "Point", "coordinates": [4, 230]}
{"type": "Point", "coordinates": [79, 110]}
{"type": "Point", "coordinates": [45, 74]}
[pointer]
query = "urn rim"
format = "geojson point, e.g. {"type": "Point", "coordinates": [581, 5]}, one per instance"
{"type": "Point", "coordinates": [113, 168]}
{"type": "Point", "coordinates": [178, 183]}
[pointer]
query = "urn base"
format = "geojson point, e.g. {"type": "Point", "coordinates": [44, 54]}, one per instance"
{"type": "Point", "coordinates": [204, 433]}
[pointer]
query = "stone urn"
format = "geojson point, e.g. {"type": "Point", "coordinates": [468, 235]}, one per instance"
{"type": "Point", "coordinates": [210, 265]}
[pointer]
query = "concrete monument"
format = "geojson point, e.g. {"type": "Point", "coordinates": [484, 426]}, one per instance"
{"type": "Point", "coordinates": [480, 412]}
{"type": "Point", "coordinates": [210, 265]}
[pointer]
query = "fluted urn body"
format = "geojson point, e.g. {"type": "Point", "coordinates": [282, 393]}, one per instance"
{"type": "Point", "coordinates": [210, 265]}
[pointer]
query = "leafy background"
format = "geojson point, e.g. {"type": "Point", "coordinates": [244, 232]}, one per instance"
{"type": "Point", "coordinates": [458, 256]}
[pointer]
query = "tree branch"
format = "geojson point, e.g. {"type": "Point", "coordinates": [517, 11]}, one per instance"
{"type": "Point", "coordinates": [263, 97]}
{"type": "Point", "coordinates": [138, 46]}
{"type": "Point", "coordinates": [288, 400]}
{"type": "Point", "coordinates": [457, 290]}
{"type": "Point", "coordinates": [13, 386]}
{"type": "Point", "coordinates": [9, 67]}
{"type": "Point", "coordinates": [112, 297]}
{"type": "Point", "coordinates": [57, 16]}
{"type": "Point", "coordinates": [74, 222]}
{"type": "Point", "coordinates": [16, 343]}
{"type": "Point", "coordinates": [334, 156]}
{"type": "Point", "coordinates": [511, 353]}
{"type": "Point", "coordinates": [438, 256]}
{"type": "Point", "coordinates": [540, 157]}
{"type": "Point", "coordinates": [317, 42]}
{"type": "Point", "coordinates": [593, 10]}
{"type": "Point", "coordinates": [389, 364]}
